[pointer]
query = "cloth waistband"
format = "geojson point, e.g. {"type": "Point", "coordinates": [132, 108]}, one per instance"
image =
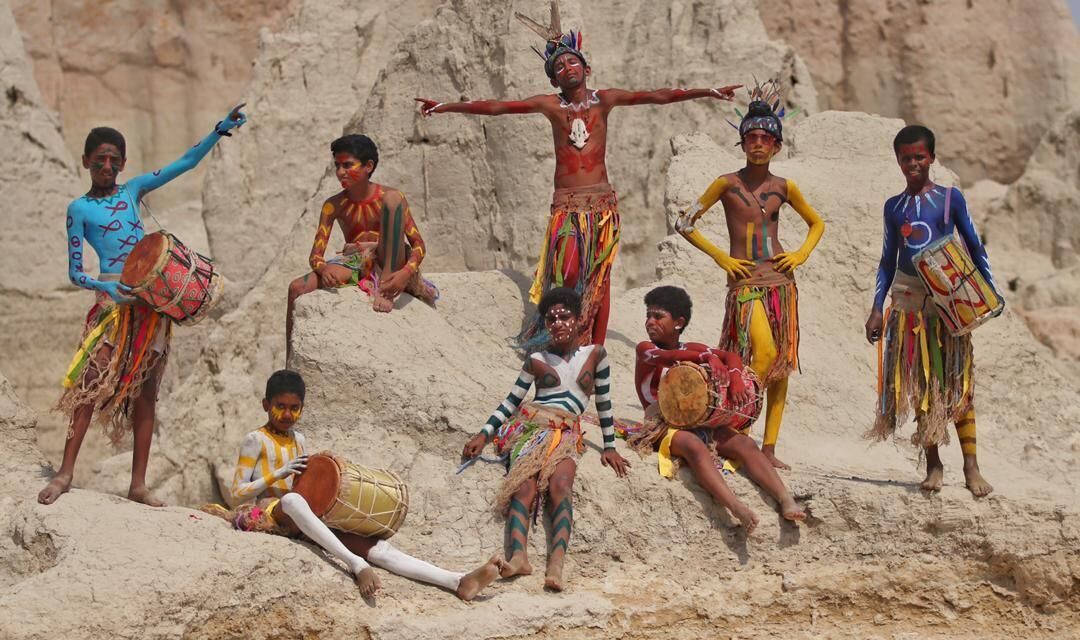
{"type": "Point", "coordinates": [910, 294]}
{"type": "Point", "coordinates": [586, 197]}
{"type": "Point", "coordinates": [762, 274]}
{"type": "Point", "coordinates": [548, 416]}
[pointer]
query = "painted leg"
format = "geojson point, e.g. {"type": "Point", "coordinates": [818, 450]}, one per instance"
{"type": "Point", "coordinates": [742, 448]}
{"type": "Point", "coordinates": [603, 312]}
{"type": "Point", "coordinates": [763, 354]}
{"type": "Point", "coordinates": [142, 417]}
{"type": "Point", "coordinates": [560, 490]}
{"type": "Point", "coordinates": [298, 510]}
{"type": "Point", "coordinates": [700, 460]}
{"type": "Point", "coordinates": [965, 431]}
{"type": "Point", "coordinates": [517, 529]}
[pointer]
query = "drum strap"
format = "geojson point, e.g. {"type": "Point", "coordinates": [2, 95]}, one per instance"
{"type": "Point", "coordinates": [948, 205]}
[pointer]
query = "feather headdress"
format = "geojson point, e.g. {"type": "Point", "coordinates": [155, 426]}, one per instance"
{"type": "Point", "coordinates": [557, 42]}
{"type": "Point", "coordinates": [766, 110]}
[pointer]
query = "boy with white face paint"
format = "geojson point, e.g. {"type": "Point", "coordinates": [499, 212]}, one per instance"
{"type": "Point", "coordinates": [271, 456]}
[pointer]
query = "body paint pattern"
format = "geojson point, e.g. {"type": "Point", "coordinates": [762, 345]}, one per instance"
{"type": "Point", "coordinates": [363, 222]}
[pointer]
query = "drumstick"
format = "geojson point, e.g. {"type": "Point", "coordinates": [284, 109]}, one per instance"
{"type": "Point", "coordinates": [471, 461]}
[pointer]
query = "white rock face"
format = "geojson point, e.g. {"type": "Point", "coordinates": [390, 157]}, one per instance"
{"type": "Point", "coordinates": [970, 70]}
{"type": "Point", "coordinates": [482, 186]}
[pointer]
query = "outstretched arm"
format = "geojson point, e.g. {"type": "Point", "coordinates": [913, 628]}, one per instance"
{"type": "Point", "coordinates": [249, 483]}
{"type": "Point", "coordinates": [685, 226]}
{"type": "Point", "coordinates": [789, 260]}
{"type": "Point", "coordinates": [535, 104]}
{"type": "Point", "coordinates": [623, 98]}
{"type": "Point", "coordinates": [141, 185]}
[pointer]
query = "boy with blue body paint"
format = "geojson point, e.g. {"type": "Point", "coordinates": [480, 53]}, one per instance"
{"type": "Point", "coordinates": [117, 368]}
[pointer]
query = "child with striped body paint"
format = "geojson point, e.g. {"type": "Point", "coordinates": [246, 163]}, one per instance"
{"type": "Point", "coordinates": [271, 456]}
{"type": "Point", "coordinates": [761, 319]}
{"type": "Point", "coordinates": [542, 439]}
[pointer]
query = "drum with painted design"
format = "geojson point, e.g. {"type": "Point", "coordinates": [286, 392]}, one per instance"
{"type": "Point", "coordinates": [350, 497]}
{"type": "Point", "coordinates": [690, 397]}
{"type": "Point", "coordinates": [174, 280]}
{"type": "Point", "coordinates": [963, 297]}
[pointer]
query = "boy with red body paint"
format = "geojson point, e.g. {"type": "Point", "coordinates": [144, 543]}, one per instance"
{"type": "Point", "coordinates": [582, 238]}
{"type": "Point", "coordinates": [382, 263]}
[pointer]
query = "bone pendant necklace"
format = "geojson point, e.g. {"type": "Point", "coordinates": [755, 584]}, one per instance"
{"type": "Point", "coordinates": [579, 131]}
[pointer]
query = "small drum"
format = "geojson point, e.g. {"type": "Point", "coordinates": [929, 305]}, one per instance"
{"type": "Point", "coordinates": [348, 497]}
{"type": "Point", "coordinates": [965, 300]}
{"type": "Point", "coordinates": [174, 280]}
{"type": "Point", "coordinates": [690, 397]}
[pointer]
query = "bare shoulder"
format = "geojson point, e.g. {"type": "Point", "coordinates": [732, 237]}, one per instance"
{"type": "Point", "coordinates": [780, 183]}
{"type": "Point", "coordinates": [392, 196]}
{"type": "Point", "coordinates": [332, 204]}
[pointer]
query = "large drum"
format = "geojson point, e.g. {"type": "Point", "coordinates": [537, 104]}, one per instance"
{"type": "Point", "coordinates": [964, 299]}
{"type": "Point", "coordinates": [174, 280]}
{"type": "Point", "coordinates": [691, 397]}
{"type": "Point", "coordinates": [349, 497]}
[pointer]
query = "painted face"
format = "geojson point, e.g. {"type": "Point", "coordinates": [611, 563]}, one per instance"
{"type": "Point", "coordinates": [915, 160]}
{"type": "Point", "coordinates": [661, 327]}
{"type": "Point", "coordinates": [105, 164]}
{"type": "Point", "coordinates": [561, 324]}
{"type": "Point", "coordinates": [284, 410]}
{"type": "Point", "coordinates": [350, 171]}
{"type": "Point", "coordinates": [570, 72]}
{"type": "Point", "coordinates": [759, 146]}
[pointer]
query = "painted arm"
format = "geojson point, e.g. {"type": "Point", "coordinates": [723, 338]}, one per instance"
{"type": "Point", "coordinates": [247, 482]}
{"type": "Point", "coordinates": [966, 228]}
{"type": "Point", "coordinates": [789, 260]}
{"type": "Point", "coordinates": [417, 248]}
{"type": "Point", "coordinates": [316, 259]}
{"type": "Point", "coordinates": [141, 185]}
{"type": "Point", "coordinates": [76, 249]}
{"type": "Point", "coordinates": [890, 251]}
{"type": "Point", "coordinates": [603, 401]}
{"type": "Point", "coordinates": [650, 354]}
{"type": "Point", "coordinates": [513, 400]}
{"type": "Point", "coordinates": [685, 226]}
{"type": "Point", "coordinates": [623, 98]}
{"type": "Point", "coordinates": [535, 104]}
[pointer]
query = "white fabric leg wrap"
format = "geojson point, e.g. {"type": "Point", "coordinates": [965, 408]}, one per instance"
{"type": "Point", "coordinates": [294, 505]}
{"type": "Point", "coordinates": [386, 556]}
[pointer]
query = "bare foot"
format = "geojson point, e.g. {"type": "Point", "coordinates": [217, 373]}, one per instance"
{"type": "Point", "coordinates": [747, 518]}
{"type": "Point", "coordinates": [517, 565]}
{"type": "Point", "coordinates": [934, 475]}
{"type": "Point", "coordinates": [143, 495]}
{"type": "Point", "coordinates": [381, 303]}
{"type": "Point", "coordinates": [978, 485]}
{"type": "Point", "coordinates": [770, 455]}
{"type": "Point", "coordinates": [792, 510]}
{"type": "Point", "coordinates": [57, 487]}
{"type": "Point", "coordinates": [473, 582]}
{"type": "Point", "coordinates": [423, 291]}
{"type": "Point", "coordinates": [368, 582]}
{"type": "Point", "coordinates": [553, 579]}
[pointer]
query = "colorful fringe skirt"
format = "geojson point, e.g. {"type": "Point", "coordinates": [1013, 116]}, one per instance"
{"type": "Point", "coordinates": [365, 276]}
{"type": "Point", "coordinates": [121, 345]}
{"type": "Point", "coordinates": [780, 298]}
{"type": "Point", "coordinates": [922, 369]}
{"type": "Point", "coordinates": [535, 440]}
{"type": "Point", "coordinates": [579, 248]}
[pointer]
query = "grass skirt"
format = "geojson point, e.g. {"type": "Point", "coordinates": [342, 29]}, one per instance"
{"type": "Point", "coordinates": [535, 440]}
{"type": "Point", "coordinates": [780, 298]}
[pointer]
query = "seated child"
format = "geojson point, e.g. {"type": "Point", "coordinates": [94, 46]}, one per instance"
{"type": "Point", "coordinates": [382, 264]}
{"type": "Point", "coordinates": [667, 313]}
{"type": "Point", "coordinates": [542, 439]}
{"type": "Point", "coordinates": [272, 455]}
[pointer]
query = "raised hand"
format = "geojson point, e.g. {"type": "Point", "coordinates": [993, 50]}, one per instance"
{"type": "Point", "coordinates": [787, 261]}
{"type": "Point", "coordinates": [427, 107]}
{"type": "Point", "coordinates": [737, 268]}
{"type": "Point", "coordinates": [726, 93]}
{"type": "Point", "coordinates": [234, 120]}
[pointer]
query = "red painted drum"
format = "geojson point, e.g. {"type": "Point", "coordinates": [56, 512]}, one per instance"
{"type": "Point", "coordinates": [174, 280]}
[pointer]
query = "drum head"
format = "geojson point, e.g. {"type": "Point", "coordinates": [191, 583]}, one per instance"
{"type": "Point", "coordinates": [143, 260]}
{"type": "Point", "coordinates": [319, 483]}
{"type": "Point", "coordinates": [684, 395]}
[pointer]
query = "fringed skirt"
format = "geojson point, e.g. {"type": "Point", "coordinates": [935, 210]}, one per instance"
{"type": "Point", "coordinates": [365, 276]}
{"type": "Point", "coordinates": [121, 346]}
{"type": "Point", "coordinates": [535, 440]}
{"type": "Point", "coordinates": [582, 239]}
{"type": "Point", "coordinates": [780, 298]}
{"type": "Point", "coordinates": [922, 369]}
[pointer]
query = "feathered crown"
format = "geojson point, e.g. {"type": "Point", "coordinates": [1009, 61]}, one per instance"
{"type": "Point", "coordinates": [558, 42]}
{"type": "Point", "coordinates": [765, 111]}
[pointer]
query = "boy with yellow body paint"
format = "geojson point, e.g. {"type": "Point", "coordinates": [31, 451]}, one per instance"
{"type": "Point", "coordinates": [761, 321]}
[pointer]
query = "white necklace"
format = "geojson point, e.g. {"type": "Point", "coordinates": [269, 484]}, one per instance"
{"type": "Point", "coordinates": [579, 132]}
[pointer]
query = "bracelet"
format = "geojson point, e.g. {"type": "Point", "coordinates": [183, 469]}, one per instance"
{"type": "Point", "coordinates": [217, 130]}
